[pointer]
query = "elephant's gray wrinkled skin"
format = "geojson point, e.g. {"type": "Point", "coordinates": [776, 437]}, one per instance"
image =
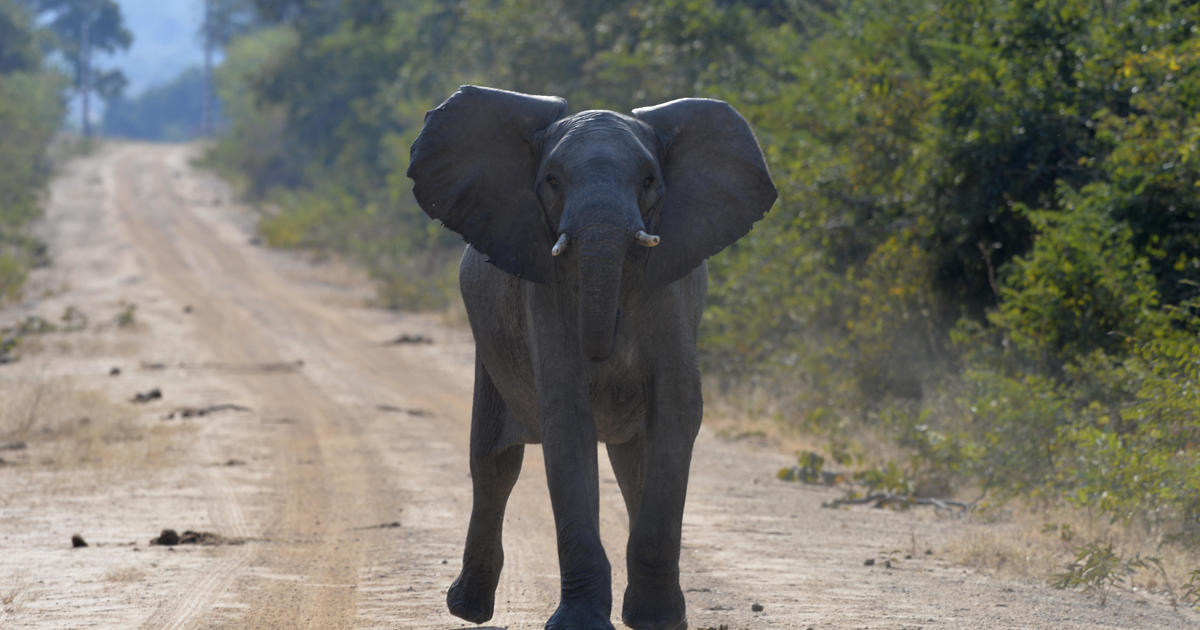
{"type": "Point", "coordinates": [597, 339]}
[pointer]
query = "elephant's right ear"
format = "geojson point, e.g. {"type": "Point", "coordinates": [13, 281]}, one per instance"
{"type": "Point", "coordinates": [474, 167]}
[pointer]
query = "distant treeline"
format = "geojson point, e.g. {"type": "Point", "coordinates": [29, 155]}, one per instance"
{"type": "Point", "coordinates": [31, 111]}
{"type": "Point", "coordinates": [987, 244]}
{"type": "Point", "coordinates": [171, 112]}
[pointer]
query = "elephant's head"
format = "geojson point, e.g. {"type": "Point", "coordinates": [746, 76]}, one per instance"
{"type": "Point", "coordinates": [523, 185]}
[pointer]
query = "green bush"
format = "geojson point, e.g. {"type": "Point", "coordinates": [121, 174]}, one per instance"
{"type": "Point", "coordinates": [1081, 289]}
{"type": "Point", "coordinates": [12, 276]}
{"type": "Point", "coordinates": [1137, 459]}
{"type": "Point", "coordinates": [31, 111]}
{"type": "Point", "coordinates": [252, 151]}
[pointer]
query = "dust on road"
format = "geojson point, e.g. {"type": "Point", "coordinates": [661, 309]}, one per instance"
{"type": "Point", "coordinates": [337, 460]}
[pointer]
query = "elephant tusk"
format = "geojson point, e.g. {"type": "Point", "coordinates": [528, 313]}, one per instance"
{"type": "Point", "coordinates": [646, 240]}
{"type": "Point", "coordinates": [560, 246]}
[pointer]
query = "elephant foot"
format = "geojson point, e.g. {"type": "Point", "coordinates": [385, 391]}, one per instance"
{"type": "Point", "coordinates": [579, 616]}
{"type": "Point", "coordinates": [654, 609]}
{"type": "Point", "coordinates": [473, 595]}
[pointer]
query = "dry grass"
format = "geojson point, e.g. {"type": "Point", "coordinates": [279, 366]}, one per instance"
{"type": "Point", "coordinates": [106, 346]}
{"type": "Point", "coordinates": [68, 427]}
{"type": "Point", "coordinates": [758, 416]}
{"type": "Point", "coordinates": [1016, 549]}
{"type": "Point", "coordinates": [1031, 543]}
{"type": "Point", "coordinates": [769, 418]}
{"type": "Point", "coordinates": [28, 402]}
{"type": "Point", "coordinates": [454, 314]}
{"type": "Point", "coordinates": [127, 574]}
{"type": "Point", "coordinates": [14, 592]}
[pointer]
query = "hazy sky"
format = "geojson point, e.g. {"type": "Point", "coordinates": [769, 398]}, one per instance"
{"type": "Point", "coordinates": [164, 41]}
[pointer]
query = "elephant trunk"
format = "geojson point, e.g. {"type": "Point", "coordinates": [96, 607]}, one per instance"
{"type": "Point", "coordinates": [601, 253]}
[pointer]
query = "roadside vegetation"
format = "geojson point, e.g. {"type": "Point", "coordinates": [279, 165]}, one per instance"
{"type": "Point", "coordinates": [31, 112]}
{"type": "Point", "coordinates": [986, 252]}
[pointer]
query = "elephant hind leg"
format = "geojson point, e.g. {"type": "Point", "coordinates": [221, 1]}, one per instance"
{"type": "Point", "coordinates": [494, 470]}
{"type": "Point", "coordinates": [628, 463]}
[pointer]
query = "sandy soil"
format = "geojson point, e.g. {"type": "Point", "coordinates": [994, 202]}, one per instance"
{"type": "Point", "coordinates": [340, 481]}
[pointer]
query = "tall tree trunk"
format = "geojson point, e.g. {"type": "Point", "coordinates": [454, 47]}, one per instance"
{"type": "Point", "coordinates": [85, 72]}
{"type": "Point", "coordinates": [206, 107]}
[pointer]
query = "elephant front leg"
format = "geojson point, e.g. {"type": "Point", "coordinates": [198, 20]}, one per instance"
{"type": "Point", "coordinates": [569, 448]}
{"type": "Point", "coordinates": [653, 598]}
{"type": "Point", "coordinates": [494, 470]}
{"type": "Point", "coordinates": [571, 474]}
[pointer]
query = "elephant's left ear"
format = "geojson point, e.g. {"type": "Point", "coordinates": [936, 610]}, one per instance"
{"type": "Point", "coordinates": [716, 181]}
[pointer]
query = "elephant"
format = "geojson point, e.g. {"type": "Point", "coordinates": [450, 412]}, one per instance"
{"type": "Point", "coordinates": [584, 278]}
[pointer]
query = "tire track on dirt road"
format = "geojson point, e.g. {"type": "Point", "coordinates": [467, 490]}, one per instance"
{"type": "Point", "coordinates": [224, 511]}
{"type": "Point", "coordinates": [193, 269]}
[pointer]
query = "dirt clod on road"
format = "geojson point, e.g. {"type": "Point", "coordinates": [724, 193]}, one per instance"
{"type": "Point", "coordinates": [332, 448]}
{"type": "Point", "coordinates": [170, 538]}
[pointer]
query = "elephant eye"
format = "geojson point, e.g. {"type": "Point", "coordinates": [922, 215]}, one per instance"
{"type": "Point", "coordinates": [648, 182]}
{"type": "Point", "coordinates": [552, 181]}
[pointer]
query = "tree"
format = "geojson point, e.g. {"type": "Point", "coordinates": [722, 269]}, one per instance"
{"type": "Point", "coordinates": [223, 20]}
{"type": "Point", "coordinates": [18, 42]}
{"type": "Point", "coordinates": [30, 114]}
{"type": "Point", "coordinates": [83, 27]}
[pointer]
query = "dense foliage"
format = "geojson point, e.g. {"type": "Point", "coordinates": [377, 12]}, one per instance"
{"type": "Point", "coordinates": [987, 245]}
{"type": "Point", "coordinates": [30, 112]}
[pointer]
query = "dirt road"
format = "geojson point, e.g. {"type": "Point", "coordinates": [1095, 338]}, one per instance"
{"type": "Point", "coordinates": [333, 464]}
